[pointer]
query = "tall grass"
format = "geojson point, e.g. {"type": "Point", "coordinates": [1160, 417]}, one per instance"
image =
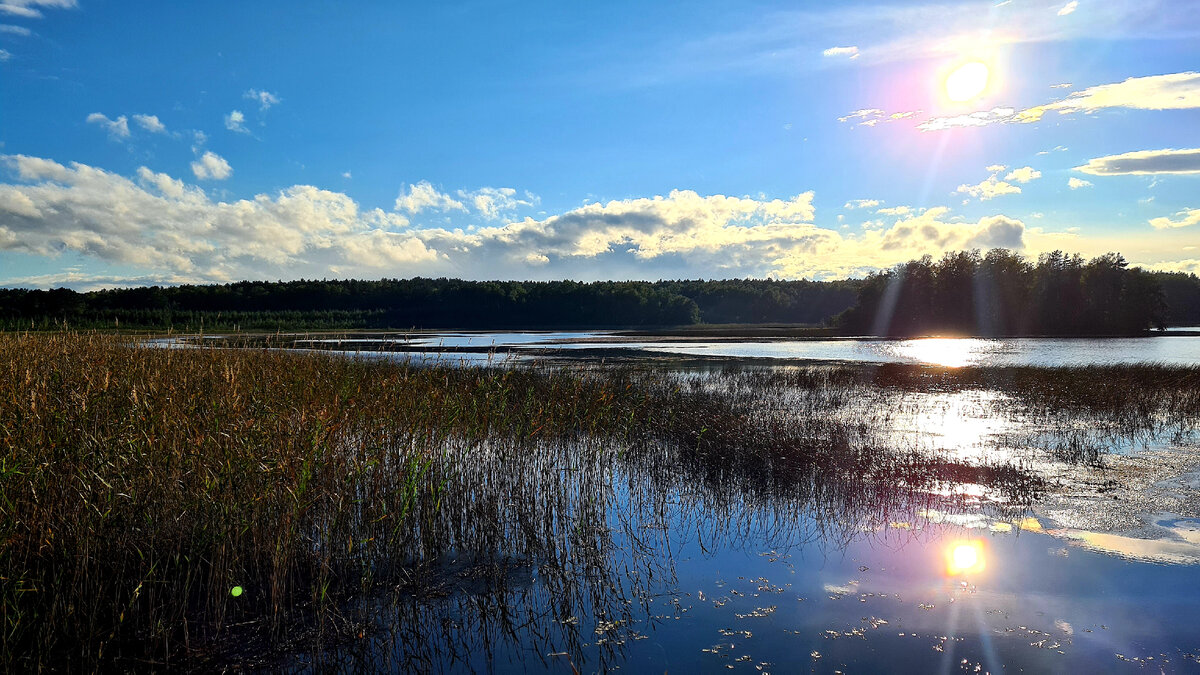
{"type": "Point", "coordinates": [174, 506]}
{"type": "Point", "coordinates": [139, 487]}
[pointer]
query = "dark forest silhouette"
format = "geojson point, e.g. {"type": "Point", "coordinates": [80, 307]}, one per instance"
{"type": "Point", "coordinates": [431, 303]}
{"type": "Point", "coordinates": [1000, 293]}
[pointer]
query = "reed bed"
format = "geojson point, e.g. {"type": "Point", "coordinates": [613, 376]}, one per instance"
{"type": "Point", "coordinates": [185, 507]}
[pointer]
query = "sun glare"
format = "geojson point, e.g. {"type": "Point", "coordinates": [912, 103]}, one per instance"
{"type": "Point", "coordinates": [967, 81]}
{"type": "Point", "coordinates": [964, 557]}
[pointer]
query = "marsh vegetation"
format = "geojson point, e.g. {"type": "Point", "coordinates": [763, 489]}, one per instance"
{"type": "Point", "coordinates": [204, 506]}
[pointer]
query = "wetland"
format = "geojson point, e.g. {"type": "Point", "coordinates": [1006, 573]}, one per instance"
{"type": "Point", "coordinates": [288, 503]}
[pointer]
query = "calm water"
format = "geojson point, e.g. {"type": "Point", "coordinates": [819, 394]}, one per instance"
{"type": "Point", "coordinates": [595, 559]}
{"type": "Point", "coordinates": [1181, 350]}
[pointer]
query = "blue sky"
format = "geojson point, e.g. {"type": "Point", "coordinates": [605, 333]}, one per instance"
{"type": "Point", "coordinates": [150, 142]}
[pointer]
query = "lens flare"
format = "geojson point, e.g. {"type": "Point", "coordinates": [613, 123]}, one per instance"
{"type": "Point", "coordinates": [967, 81]}
{"type": "Point", "coordinates": [964, 557]}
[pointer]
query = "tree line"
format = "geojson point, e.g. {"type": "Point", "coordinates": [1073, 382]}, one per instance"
{"type": "Point", "coordinates": [429, 303]}
{"type": "Point", "coordinates": [1002, 293]}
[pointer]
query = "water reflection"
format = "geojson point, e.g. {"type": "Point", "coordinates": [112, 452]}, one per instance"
{"type": "Point", "coordinates": [964, 557]}
{"type": "Point", "coordinates": [949, 352]}
{"type": "Point", "coordinates": [817, 512]}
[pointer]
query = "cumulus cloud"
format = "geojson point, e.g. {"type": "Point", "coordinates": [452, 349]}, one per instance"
{"type": "Point", "coordinates": [1076, 183]}
{"type": "Point", "coordinates": [930, 231]}
{"type": "Point", "coordinates": [895, 211]}
{"type": "Point", "coordinates": [236, 121]}
{"type": "Point", "coordinates": [1143, 162]}
{"type": "Point", "coordinates": [1186, 218]}
{"type": "Point", "coordinates": [423, 196]}
{"type": "Point", "coordinates": [1023, 174]}
{"type": "Point", "coordinates": [150, 123]}
{"type": "Point", "coordinates": [174, 232]}
{"type": "Point", "coordinates": [211, 166]}
{"type": "Point", "coordinates": [264, 98]}
{"type": "Point", "coordinates": [1189, 266]}
{"type": "Point", "coordinates": [117, 129]}
{"type": "Point", "coordinates": [1068, 8]}
{"type": "Point", "coordinates": [850, 52]}
{"type": "Point", "coordinates": [168, 230]}
{"type": "Point", "coordinates": [993, 186]}
{"type": "Point", "coordinates": [493, 203]}
{"type": "Point", "coordinates": [861, 204]}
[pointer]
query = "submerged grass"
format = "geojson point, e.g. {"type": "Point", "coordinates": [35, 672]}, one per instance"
{"type": "Point", "coordinates": [160, 505]}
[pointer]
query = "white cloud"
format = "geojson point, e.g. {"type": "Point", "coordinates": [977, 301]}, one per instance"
{"type": "Point", "coordinates": [851, 52]}
{"type": "Point", "coordinates": [211, 166]}
{"type": "Point", "coordinates": [1145, 162]}
{"type": "Point", "coordinates": [1062, 85]}
{"type": "Point", "coordinates": [15, 30]}
{"type": "Point", "coordinates": [168, 230]}
{"type": "Point", "coordinates": [150, 123]}
{"type": "Point", "coordinates": [175, 233]}
{"type": "Point", "coordinates": [989, 188]}
{"type": "Point", "coordinates": [895, 211]}
{"type": "Point", "coordinates": [118, 129]}
{"type": "Point", "coordinates": [861, 204]}
{"type": "Point", "coordinates": [865, 114]}
{"type": "Point", "coordinates": [494, 202]}
{"type": "Point", "coordinates": [424, 196]}
{"type": "Point", "coordinates": [979, 118]}
{"type": "Point", "coordinates": [1190, 266]}
{"type": "Point", "coordinates": [346, 174]}
{"type": "Point", "coordinates": [29, 8]}
{"type": "Point", "coordinates": [236, 121]}
{"type": "Point", "coordinates": [1187, 217]}
{"type": "Point", "coordinates": [993, 186]}
{"type": "Point", "coordinates": [1068, 8]}
{"type": "Point", "coordinates": [1175, 91]}
{"type": "Point", "coordinates": [1023, 174]}
{"type": "Point", "coordinates": [5, 55]}
{"type": "Point", "coordinates": [264, 98]}
{"type": "Point", "coordinates": [1076, 183]}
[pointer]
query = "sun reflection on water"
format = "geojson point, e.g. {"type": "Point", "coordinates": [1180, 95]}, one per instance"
{"type": "Point", "coordinates": [949, 352]}
{"type": "Point", "coordinates": [964, 556]}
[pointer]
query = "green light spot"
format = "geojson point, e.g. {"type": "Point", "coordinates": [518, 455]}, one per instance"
{"type": "Point", "coordinates": [235, 591]}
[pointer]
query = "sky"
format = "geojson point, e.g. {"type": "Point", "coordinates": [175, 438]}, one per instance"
{"type": "Point", "coordinates": [166, 143]}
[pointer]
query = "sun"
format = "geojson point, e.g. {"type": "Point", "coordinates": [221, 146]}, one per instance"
{"type": "Point", "coordinates": [967, 81]}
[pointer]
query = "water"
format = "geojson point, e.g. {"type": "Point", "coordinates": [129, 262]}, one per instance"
{"type": "Point", "coordinates": [601, 558]}
{"type": "Point", "coordinates": [1179, 350]}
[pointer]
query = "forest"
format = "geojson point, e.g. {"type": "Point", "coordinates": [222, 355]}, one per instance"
{"type": "Point", "coordinates": [429, 303]}
{"type": "Point", "coordinates": [997, 293]}
{"type": "Point", "coordinates": [1002, 293]}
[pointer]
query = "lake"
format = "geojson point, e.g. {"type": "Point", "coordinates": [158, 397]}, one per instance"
{"type": "Point", "coordinates": [595, 558]}
{"type": "Point", "coordinates": [1167, 348]}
